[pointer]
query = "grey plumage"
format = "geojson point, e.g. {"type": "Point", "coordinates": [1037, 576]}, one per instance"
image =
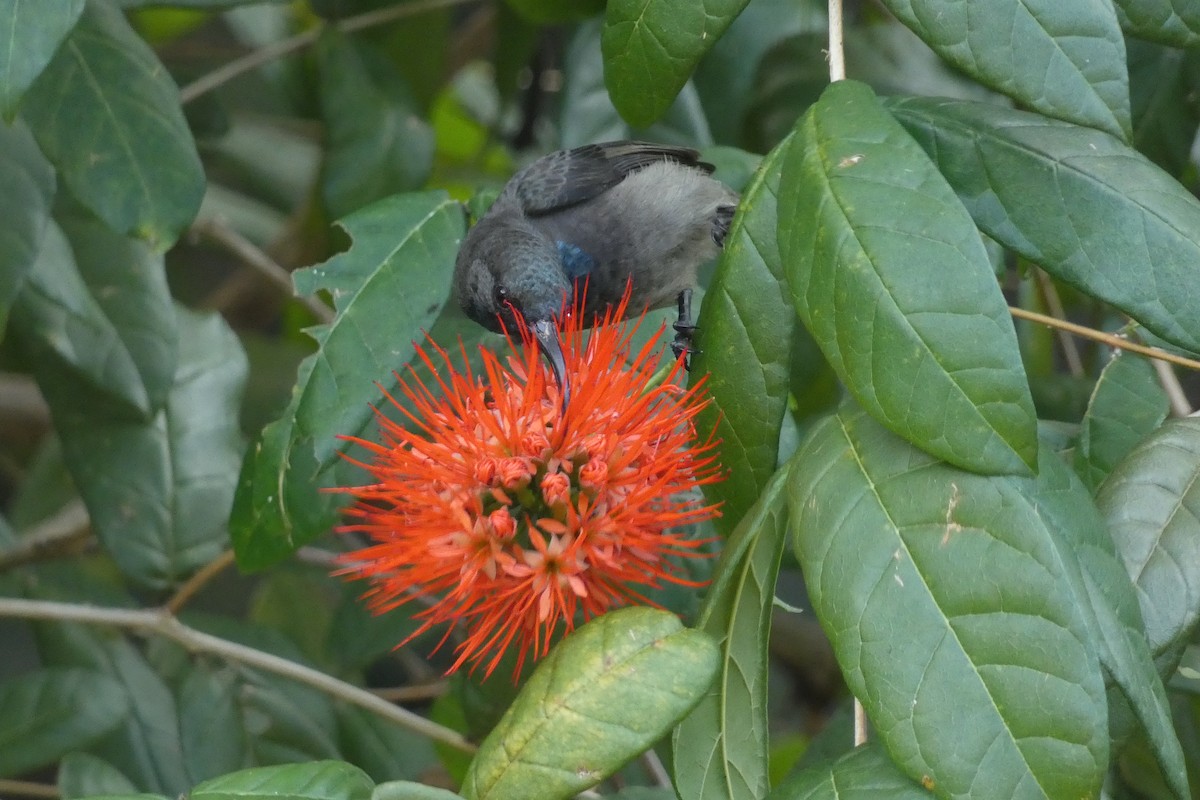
{"type": "Point", "coordinates": [601, 216]}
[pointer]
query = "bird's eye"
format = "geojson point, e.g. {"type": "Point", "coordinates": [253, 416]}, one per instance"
{"type": "Point", "coordinates": [500, 296]}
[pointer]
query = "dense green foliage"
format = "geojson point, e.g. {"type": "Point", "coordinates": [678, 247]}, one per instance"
{"type": "Point", "coordinates": [224, 223]}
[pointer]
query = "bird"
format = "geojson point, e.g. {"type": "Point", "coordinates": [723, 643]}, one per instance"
{"type": "Point", "coordinates": [587, 224]}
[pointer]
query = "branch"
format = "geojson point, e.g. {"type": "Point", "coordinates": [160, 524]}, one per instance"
{"type": "Point", "coordinates": [837, 51]}
{"type": "Point", "coordinates": [1110, 339]}
{"type": "Point", "coordinates": [58, 535]}
{"type": "Point", "coordinates": [277, 50]}
{"type": "Point", "coordinates": [161, 623]}
{"type": "Point", "coordinates": [27, 788]}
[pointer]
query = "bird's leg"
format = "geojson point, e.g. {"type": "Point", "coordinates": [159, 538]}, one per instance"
{"type": "Point", "coordinates": [684, 330]}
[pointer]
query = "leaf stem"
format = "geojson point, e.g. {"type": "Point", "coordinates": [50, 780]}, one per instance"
{"type": "Point", "coordinates": [1112, 340]}
{"type": "Point", "coordinates": [1055, 306]}
{"type": "Point", "coordinates": [837, 51]}
{"type": "Point", "coordinates": [162, 623]}
{"type": "Point", "coordinates": [277, 50]}
{"type": "Point", "coordinates": [8, 786]}
{"type": "Point", "coordinates": [198, 581]}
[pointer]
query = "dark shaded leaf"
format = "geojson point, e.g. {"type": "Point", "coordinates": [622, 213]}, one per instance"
{"type": "Point", "coordinates": [383, 750]}
{"type": "Point", "coordinates": [211, 729]}
{"type": "Point", "coordinates": [651, 47]}
{"type": "Point", "coordinates": [318, 780]}
{"type": "Point", "coordinates": [1042, 188]}
{"type": "Point", "coordinates": [720, 748]}
{"type": "Point", "coordinates": [548, 12]}
{"type": "Point", "coordinates": [875, 235]}
{"type": "Point", "coordinates": [1151, 502]}
{"type": "Point", "coordinates": [1127, 403]}
{"type": "Point", "coordinates": [604, 694]}
{"type": "Point", "coordinates": [1166, 109]}
{"type": "Point", "coordinates": [85, 775]}
{"type": "Point", "coordinates": [950, 615]}
{"type": "Point", "coordinates": [1070, 63]}
{"type": "Point", "coordinates": [26, 190]}
{"type": "Point", "coordinates": [862, 774]}
{"type": "Point", "coordinates": [107, 115]}
{"type": "Point", "coordinates": [1174, 22]}
{"type": "Point", "coordinates": [746, 325]}
{"type": "Point", "coordinates": [404, 247]}
{"type": "Point", "coordinates": [377, 143]}
{"type": "Point", "coordinates": [30, 33]}
{"type": "Point", "coordinates": [50, 712]}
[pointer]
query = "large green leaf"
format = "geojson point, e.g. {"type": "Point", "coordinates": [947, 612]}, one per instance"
{"type": "Point", "coordinates": [721, 749]}
{"type": "Point", "coordinates": [651, 47]}
{"type": "Point", "coordinates": [30, 33]}
{"type": "Point", "coordinates": [377, 142]}
{"type": "Point", "coordinates": [388, 287]}
{"type": "Point", "coordinates": [107, 115]}
{"type": "Point", "coordinates": [407, 790]}
{"type": "Point", "coordinates": [1174, 22]}
{"type": "Point", "coordinates": [1151, 501]}
{"type": "Point", "coordinates": [747, 324]}
{"type": "Point", "coordinates": [1106, 597]}
{"type": "Point", "coordinates": [318, 780]}
{"type": "Point", "coordinates": [50, 712]}
{"type": "Point", "coordinates": [862, 774]}
{"type": "Point", "coordinates": [1127, 403]}
{"type": "Point", "coordinates": [1064, 58]}
{"type": "Point", "coordinates": [1166, 112]}
{"type": "Point", "coordinates": [587, 113]}
{"type": "Point", "coordinates": [606, 693]}
{"type": "Point", "coordinates": [84, 775]}
{"type": "Point", "coordinates": [26, 192]}
{"type": "Point", "coordinates": [211, 730]}
{"type": "Point", "coordinates": [1043, 188]}
{"type": "Point", "coordinates": [951, 616]}
{"type": "Point", "coordinates": [889, 274]}
{"type": "Point", "coordinates": [145, 746]}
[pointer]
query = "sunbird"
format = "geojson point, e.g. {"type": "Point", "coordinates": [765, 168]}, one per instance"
{"type": "Point", "coordinates": [587, 224]}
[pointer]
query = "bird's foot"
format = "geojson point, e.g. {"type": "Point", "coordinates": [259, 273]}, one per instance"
{"type": "Point", "coordinates": [721, 222]}
{"type": "Point", "coordinates": [685, 330]}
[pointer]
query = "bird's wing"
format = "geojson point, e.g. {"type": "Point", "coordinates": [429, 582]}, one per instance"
{"type": "Point", "coordinates": [562, 179]}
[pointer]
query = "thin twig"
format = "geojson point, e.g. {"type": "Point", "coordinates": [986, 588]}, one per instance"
{"type": "Point", "coordinates": [837, 50]}
{"type": "Point", "coordinates": [277, 50]}
{"type": "Point", "coordinates": [416, 693]}
{"type": "Point", "coordinates": [1109, 339]}
{"type": "Point", "coordinates": [162, 623]}
{"type": "Point", "coordinates": [655, 769]}
{"type": "Point", "coordinates": [1180, 405]}
{"type": "Point", "coordinates": [27, 788]}
{"type": "Point", "coordinates": [1054, 303]}
{"type": "Point", "coordinates": [198, 581]}
{"type": "Point", "coordinates": [56, 535]}
{"type": "Point", "coordinates": [860, 724]}
{"type": "Point", "coordinates": [256, 258]}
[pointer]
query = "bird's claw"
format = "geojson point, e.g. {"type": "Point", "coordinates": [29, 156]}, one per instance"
{"type": "Point", "coordinates": [685, 330]}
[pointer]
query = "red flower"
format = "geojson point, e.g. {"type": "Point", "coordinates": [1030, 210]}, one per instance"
{"type": "Point", "coordinates": [509, 516]}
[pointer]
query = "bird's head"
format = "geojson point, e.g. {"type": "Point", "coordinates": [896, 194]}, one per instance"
{"type": "Point", "coordinates": [511, 273]}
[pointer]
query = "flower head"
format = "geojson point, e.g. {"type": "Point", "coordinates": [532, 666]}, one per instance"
{"type": "Point", "coordinates": [507, 515]}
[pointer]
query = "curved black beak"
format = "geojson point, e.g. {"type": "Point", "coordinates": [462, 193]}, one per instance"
{"type": "Point", "coordinates": [547, 337]}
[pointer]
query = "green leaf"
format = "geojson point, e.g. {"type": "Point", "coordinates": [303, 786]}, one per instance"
{"type": "Point", "coordinates": [651, 47]}
{"type": "Point", "coordinates": [1127, 404]}
{"type": "Point", "coordinates": [107, 115]}
{"type": "Point", "coordinates": [406, 790]}
{"type": "Point", "coordinates": [1106, 597]}
{"type": "Point", "coordinates": [26, 191]}
{"type": "Point", "coordinates": [587, 113]}
{"type": "Point", "coordinates": [318, 780]}
{"type": "Point", "coordinates": [85, 775]}
{"type": "Point", "coordinates": [550, 12]}
{"type": "Point", "coordinates": [1173, 22]}
{"type": "Point", "coordinates": [383, 749]}
{"type": "Point", "coordinates": [1151, 502]}
{"type": "Point", "coordinates": [1039, 186]}
{"type": "Point", "coordinates": [50, 712]}
{"type": "Point", "coordinates": [1070, 62]}
{"type": "Point", "coordinates": [747, 324]}
{"type": "Point", "coordinates": [1166, 112]}
{"type": "Point", "coordinates": [65, 330]}
{"type": "Point", "coordinates": [404, 247]}
{"type": "Point", "coordinates": [862, 774]}
{"type": "Point", "coordinates": [874, 234]}
{"type": "Point", "coordinates": [604, 694]}
{"type": "Point", "coordinates": [720, 749]}
{"type": "Point", "coordinates": [146, 745]}
{"type": "Point", "coordinates": [950, 615]}
{"type": "Point", "coordinates": [30, 33]}
{"type": "Point", "coordinates": [211, 729]}
{"type": "Point", "coordinates": [159, 491]}
{"type": "Point", "coordinates": [377, 143]}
